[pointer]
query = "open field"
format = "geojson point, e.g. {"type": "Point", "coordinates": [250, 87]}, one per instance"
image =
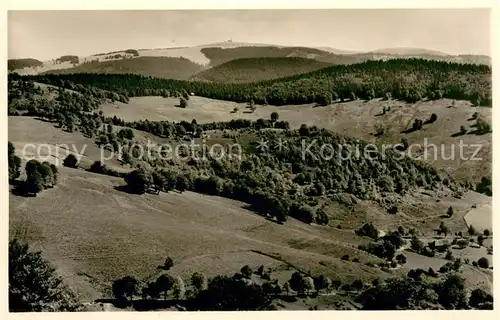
{"type": "Point", "coordinates": [353, 118]}
{"type": "Point", "coordinates": [480, 218]}
{"type": "Point", "coordinates": [47, 142]}
{"type": "Point", "coordinates": [95, 234]}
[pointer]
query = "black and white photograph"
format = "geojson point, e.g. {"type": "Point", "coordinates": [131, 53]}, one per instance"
{"type": "Point", "coordinates": [249, 160]}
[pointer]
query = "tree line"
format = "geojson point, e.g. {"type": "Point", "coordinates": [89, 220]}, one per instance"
{"type": "Point", "coordinates": [406, 79]}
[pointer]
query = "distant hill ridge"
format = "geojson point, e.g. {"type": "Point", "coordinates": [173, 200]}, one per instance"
{"type": "Point", "coordinates": [258, 69]}
{"type": "Point", "coordinates": [214, 54]}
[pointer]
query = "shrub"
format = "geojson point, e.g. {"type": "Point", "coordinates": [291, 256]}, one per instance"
{"type": "Point", "coordinates": [393, 210]}
{"type": "Point", "coordinates": [480, 239]}
{"type": "Point", "coordinates": [169, 263]}
{"type": "Point", "coordinates": [401, 259]}
{"type": "Point", "coordinates": [471, 230]}
{"type": "Point", "coordinates": [183, 102]}
{"type": "Point", "coordinates": [483, 263]}
{"type": "Point", "coordinates": [479, 299]}
{"type": "Point", "coordinates": [417, 124]}
{"type": "Point", "coordinates": [369, 230]}
{"type": "Point", "coordinates": [433, 118]}
{"type": "Point", "coordinates": [386, 183]}
{"type": "Point", "coordinates": [482, 126]}
{"type": "Point", "coordinates": [450, 212]}
{"type": "Point", "coordinates": [70, 161]}
{"type": "Point", "coordinates": [246, 271]}
{"type": "Point", "coordinates": [432, 273]}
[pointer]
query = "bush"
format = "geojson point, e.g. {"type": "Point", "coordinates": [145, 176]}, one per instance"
{"type": "Point", "coordinates": [450, 212]}
{"type": "Point", "coordinates": [302, 213]}
{"type": "Point", "coordinates": [433, 118]}
{"type": "Point", "coordinates": [471, 230]}
{"type": "Point", "coordinates": [483, 263]}
{"type": "Point", "coordinates": [401, 259]}
{"type": "Point", "coordinates": [393, 210]}
{"type": "Point", "coordinates": [70, 161]}
{"type": "Point", "coordinates": [479, 299]}
{"type": "Point", "coordinates": [432, 273]}
{"type": "Point", "coordinates": [169, 263]}
{"type": "Point", "coordinates": [183, 103]}
{"type": "Point", "coordinates": [480, 239]}
{"type": "Point", "coordinates": [246, 271]}
{"type": "Point", "coordinates": [369, 230]}
{"type": "Point", "coordinates": [417, 124]}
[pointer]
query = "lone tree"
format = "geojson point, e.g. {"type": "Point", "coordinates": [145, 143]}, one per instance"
{"type": "Point", "coordinates": [183, 103]}
{"type": "Point", "coordinates": [34, 284]}
{"type": "Point", "coordinates": [274, 117]}
{"type": "Point", "coordinates": [70, 161]}
{"type": "Point", "coordinates": [433, 118]}
{"type": "Point", "coordinates": [169, 263]}
{"type": "Point", "coordinates": [246, 271]}
{"type": "Point", "coordinates": [417, 124]}
{"type": "Point", "coordinates": [14, 163]}
{"type": "Point", "coordinates": [471, 230]}
{"type": "Point", "coordinates": [483, 263]}
{"type": "Point", "coordinates": [450, 212]}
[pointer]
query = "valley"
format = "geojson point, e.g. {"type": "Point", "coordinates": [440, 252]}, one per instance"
{"type": "Point", "coordinates": [323, 179]}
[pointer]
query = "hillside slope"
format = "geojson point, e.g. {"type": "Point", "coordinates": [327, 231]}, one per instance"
{"type": "Point", "coordinates": [258, 69]}
{"type": "Point", "coordinates": [406, 79]}
{"type": "Point", "coordinates": [160, 67]}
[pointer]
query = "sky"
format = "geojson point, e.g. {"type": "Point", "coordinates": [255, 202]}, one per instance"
{"type": "Point", "coordinates": [46, 35]}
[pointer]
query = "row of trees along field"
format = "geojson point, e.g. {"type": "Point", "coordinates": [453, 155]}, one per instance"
{"type": "Point", "coordinates": [406, 79]}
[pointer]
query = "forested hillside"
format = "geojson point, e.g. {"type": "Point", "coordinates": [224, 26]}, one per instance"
{"type": "Point", "coordinates": [222, 55]}
{"type": "Point", "coordinates": [13, 64]}
{"type": "Point", "coordinates": [161, 67]}
{"type": "Point", "coordinates": [258, 69]}
{"type": "Point", "coordinates": [407, 79]}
